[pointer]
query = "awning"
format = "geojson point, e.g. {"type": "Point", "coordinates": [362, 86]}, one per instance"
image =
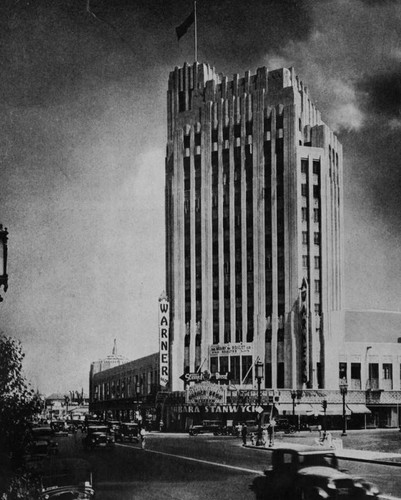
{"type": "Point", "coordinates": [358, 409]}
{"type": "Point", "coordinates": [300, 408]}
{"type": "Point", "coordinates": [332, 409]}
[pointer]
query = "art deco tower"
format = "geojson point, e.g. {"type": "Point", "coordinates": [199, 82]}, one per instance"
{"type": "Point", "coordinates": [253, 214]}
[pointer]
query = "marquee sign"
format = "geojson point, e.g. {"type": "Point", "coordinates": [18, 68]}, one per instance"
{"type": "Point", "coordinates": [206, 393]}
{"type": "Point", "coordinates": [164, 327]}
{"type": "Point", "coordinates": [226, 349]}
{"type": "Point", "coordinates": [206, 375]}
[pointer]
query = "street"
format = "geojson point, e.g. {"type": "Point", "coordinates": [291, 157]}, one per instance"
{"type": "Point", "coordinates": [202, 467]}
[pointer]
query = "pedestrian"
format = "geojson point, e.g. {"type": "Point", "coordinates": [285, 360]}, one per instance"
{"type": "Point", "coordinates": [142, 434]}
{"type": "Point", "coordinates": [270, 433]}
{"type": "Point", "coordinates": [253, 439]}
{"type": "Point", "coordinates": [264, 437]}
{"type": "Point", "coordinates": [244, 433]}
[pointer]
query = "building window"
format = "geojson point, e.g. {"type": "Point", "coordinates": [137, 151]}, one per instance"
{"type": "Point", "coordinates": [387, 371]}
{"type": "Point", "coordinates": [235, 370]}
{"type": "Point", "coordinates": [197, 139]}
{"type": "Point", "coordinates": [317, 262]}
{"type": "Point", "coordinates": [316, 238]}
{"type": "Point", "coordinates": [316, 167]}
{"type": "Point", "coordinates": [226, 133]}
{"type": "Point", "coordinates": [186, 141]}
{"type": "Point", "coordinates": [304, 190]}
{"type": "Point", "coordinates": [317, 286]}
{"type": "Point", "coordinates": [304, 166]}
{"type": "Point", "coordinates": [316, 191]}
{"type": "Point", "coordinates": [215, 135]}
{"type": "Point", "coordinates": [316, 215]}
{"type": "Point", "coordinates": [246, 369]}
{"type": "Point", "coordinates": [304, 214]}
{"type": "Point", "coordinates": [268, 375]}
{"type": "Point", "coordinates": [181, 101]}
{"type": "Point", "coordinates": [304, 261]}
{"type": "Point", "coordinates": [317, 309]}
{"type": "Point", "coordinates": [373, 375]}
{"type": "Point", "coordinates": [342, 371]}
{"type": "Point", "coordinates": [280, 335]}
{"type": "Point", "coordinates": [304, 237]}
{"type": "Point", "coordinates": [213, 365]}
{"type": "Point", "coordinates": [268, 335]}
{"type": "Point", "coordinates": [280, 375]}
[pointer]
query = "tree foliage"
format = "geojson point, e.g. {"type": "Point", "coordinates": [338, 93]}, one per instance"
{"type": "Point", "coordinates": [18, 402]}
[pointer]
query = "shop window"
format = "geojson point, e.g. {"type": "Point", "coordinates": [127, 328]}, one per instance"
{"type": "Point", "coordinates": [223, 368]}
{"type": "Point", "coordinates": [246, 369]}
{"type": "Point", "coordinates": [214, 365]}
{"type": "Point", "coordinates": [235, 370]}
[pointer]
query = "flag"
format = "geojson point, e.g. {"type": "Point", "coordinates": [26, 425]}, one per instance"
{"type": "Point", "coordinates": [183, 28]}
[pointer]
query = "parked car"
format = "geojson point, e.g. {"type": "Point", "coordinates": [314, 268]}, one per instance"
{"type": "Point", "coordinates": [127, 431]}
{"type": "Point", "coordinates": [113, 425]}
{"type": "Point", "coordinates": [309, 473]}
{"type": "Point", "coordinates": [69, 479]}
{"type": "Point", "coordinates": [60, 428]}
{"type": "Point", "coordinates": [98, 436]}
{"type": "Point", "coordinates": [283, 425]}
{"type": "Point", "coordinates": [214, 426]}
{"type": "Point", "coordinates": [41, 442]}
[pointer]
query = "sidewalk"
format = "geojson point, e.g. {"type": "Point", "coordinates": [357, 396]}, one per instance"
{"type": "Point", "coordinates": [380, 457]}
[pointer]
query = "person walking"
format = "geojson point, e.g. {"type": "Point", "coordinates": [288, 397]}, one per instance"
{"type": "Point", "coordinates": [270, 433]}
{"type": "Point", "coordinates": [142, 434]}
{"type": "Point", "coordinates": [244, 433]}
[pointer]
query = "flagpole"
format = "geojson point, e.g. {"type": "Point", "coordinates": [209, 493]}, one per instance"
{"type": "Point", "coordinates": [196, 34]}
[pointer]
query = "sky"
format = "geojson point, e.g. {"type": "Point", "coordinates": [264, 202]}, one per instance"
{"type": "Point", "coordinates": [82, 146]}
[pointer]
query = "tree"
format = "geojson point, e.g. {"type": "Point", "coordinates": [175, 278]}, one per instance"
{"type": "Point", "coordinates": [18, 402]}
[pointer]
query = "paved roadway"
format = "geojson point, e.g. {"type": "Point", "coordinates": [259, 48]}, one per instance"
{"type": "Point", "coordinates": [205, 467]}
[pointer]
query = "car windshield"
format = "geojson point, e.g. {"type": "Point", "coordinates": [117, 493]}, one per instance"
{"type": "Point", "coordinates": [325, 460]}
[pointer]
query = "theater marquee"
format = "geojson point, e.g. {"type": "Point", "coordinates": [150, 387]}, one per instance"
{"type": "Point", "coordinates": [164, 327]}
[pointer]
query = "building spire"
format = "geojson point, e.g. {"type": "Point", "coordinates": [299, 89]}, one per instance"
{"type": "Point", "coordinates": [114, 352]}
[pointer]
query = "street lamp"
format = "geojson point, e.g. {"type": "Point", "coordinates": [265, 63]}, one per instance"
{"type": "Point", "coordinates": [259, 376]}
{"type": "Point", "coordinates": [344, 390]}
{"type": "Point", "coordinates": [3, 259]}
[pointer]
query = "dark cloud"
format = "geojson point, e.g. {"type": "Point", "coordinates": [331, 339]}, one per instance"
{"type": "Point", "coordinates": [381, 93]}
{"type": "Point", "coordinates": [373, 3]}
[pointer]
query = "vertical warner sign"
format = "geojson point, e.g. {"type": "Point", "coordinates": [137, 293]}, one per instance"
{"type": "Point", "coordinates": [164, 328]}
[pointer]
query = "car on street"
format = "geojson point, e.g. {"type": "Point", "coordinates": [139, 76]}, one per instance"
{"type": "Point", "coordinates": [66, 479]}
{"type": "Point", "coordinates": [41, 442]}
{"type": "Point", "coordinates": [216, 427]}
{"type": "Point", "coordinates": [60, 428]}
{"type": "Point", "coordinates": [127, 431]}
{"type": "Point", "coordinates": [308, 473]}
{"type": "Point", "coordinates": [98, 436]}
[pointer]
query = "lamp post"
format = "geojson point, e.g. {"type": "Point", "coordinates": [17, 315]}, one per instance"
{"type": "Point", "coordinates": [259, 376]}
{"type": "Point", "coordinates": [344, 390]}
{"type": "Point", "coordinates": [137, 389]}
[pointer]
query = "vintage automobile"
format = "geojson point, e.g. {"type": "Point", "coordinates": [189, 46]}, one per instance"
{"type": "Point", "coordinates": [308, 473]}
{"type": "Point", "coordinates": [67, 479]}
{"type": "Point", "coordinates": [60, 428]}
{"type": "Point", "coordinates": [127, 431]}
{"type": "Point", "coordinates": [41, 442]}
{"type": "Point", "coordinates": [216, 427]}
{"type": "Point", "coordinates": [98, 436]}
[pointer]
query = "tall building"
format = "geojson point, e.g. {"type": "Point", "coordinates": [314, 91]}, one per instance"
{"type": "Point", "coordinates": [254, 229]}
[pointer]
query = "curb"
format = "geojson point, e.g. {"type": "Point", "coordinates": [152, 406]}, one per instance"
{"type": "Point", "coordinates": [339, 456]}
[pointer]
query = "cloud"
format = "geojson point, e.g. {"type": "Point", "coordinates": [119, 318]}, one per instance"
{"type": "Point", "coordinates": [382, 94]}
